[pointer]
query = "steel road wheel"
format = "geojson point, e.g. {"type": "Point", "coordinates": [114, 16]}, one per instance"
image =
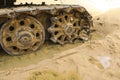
{"type": "Point", "coordinates": [22, 35]}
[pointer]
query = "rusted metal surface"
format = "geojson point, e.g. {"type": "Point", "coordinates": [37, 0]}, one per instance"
{"type": "Point", "coordinates": [64, 28]}
{"type": "Point", "coordinates": [25, 28]}
{"type": "Point", "coordinates": [22, 35]}
{"type": "Point", "coordinates": [69, 25]}
{"type": "Point", "coordinates": [39, 8]}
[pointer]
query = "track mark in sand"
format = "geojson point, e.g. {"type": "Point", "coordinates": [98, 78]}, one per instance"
{"type": "Point", "coordinates": [53, 75]}
{"type": "Point", "coordinates": [66, 55]}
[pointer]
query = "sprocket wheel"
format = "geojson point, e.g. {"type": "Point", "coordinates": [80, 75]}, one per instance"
{"type": "Point", "coordinates": [22, 35]}
{"type": "Point", "coordinates": [64, 28]}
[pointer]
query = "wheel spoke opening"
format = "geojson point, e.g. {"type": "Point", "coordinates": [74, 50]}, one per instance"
{"type": "Point", "coordinates": [32, 26]}
{"type": "Point", "coordinates": [8, 39]}
{"type": "Point", "coordinates": [11, 28]}
{"type": "Point", "coordinates": [22, 23]}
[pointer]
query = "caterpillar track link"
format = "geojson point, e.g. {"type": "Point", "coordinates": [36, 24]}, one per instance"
{"type": "Point", "coordinates": [25, 28]}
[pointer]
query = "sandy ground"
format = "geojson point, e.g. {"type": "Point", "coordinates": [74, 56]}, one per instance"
{"type": "Point", "coordinates": [97, 59]}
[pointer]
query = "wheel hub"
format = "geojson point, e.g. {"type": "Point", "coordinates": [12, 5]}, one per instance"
{"type": "Point", "coordinates": [68, 29]}
{"type": "Point", "coordinates": [25, 38]}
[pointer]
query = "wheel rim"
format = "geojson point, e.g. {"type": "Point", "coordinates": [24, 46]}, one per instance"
{"type": "Point", "coordinates": [64, 28]}
{"type": "Point", "coordinates": [22, 35]}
